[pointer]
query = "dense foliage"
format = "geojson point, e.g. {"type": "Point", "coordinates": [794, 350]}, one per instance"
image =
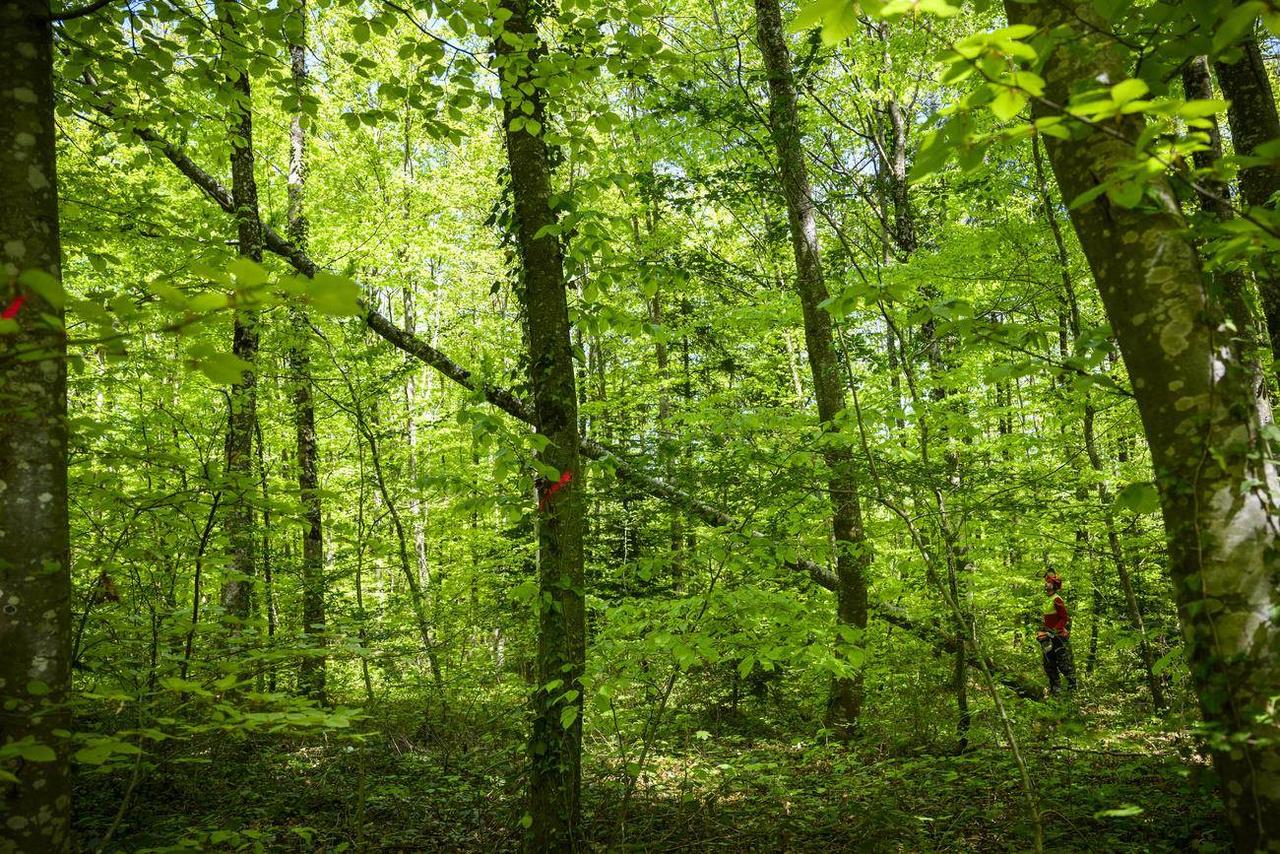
{"type": "Point", "coordinates": [707, 398]}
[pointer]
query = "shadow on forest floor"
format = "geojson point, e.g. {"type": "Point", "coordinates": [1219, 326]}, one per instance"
{"type": "Point", "coordinates": [711, 793]}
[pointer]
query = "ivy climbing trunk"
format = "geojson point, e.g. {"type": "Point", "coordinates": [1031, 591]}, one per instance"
{"type": "Point", "coordinates": [1201, 419]}
{"type": "Point", "coordinates": [35, 580]}
{"type": "Point", "coordinates": [555, 745]}
{"type": "Point", "coordinates": [311, 672]}
{"type": "Point", "coordinates": [237, 588]}
{"type": "Point", "coordinates": [846, 514]}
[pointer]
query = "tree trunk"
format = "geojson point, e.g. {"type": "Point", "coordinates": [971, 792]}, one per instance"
{"type": "Point", "coordinates": [1253, 121]}
{"type": "Point", "coordinates": [311, 670]}
{"type": "Point", "coordinates": [852, 555]}
{"type": "Point", "coordinates": [35, 581]}
{"type": "Point", "coordinates": [237, 588]}
{"type": "Point", "coordinates": [555, 745]}
{"type": "Point", "coordinates": [1216, 204]}
{"type": "Point", "coordinates": [1201, 420]}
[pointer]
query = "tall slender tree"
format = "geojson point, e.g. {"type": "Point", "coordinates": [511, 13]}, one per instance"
{"type": "Point", "coordinates": [237, 588]}
{"type": "Point", "coordinates": [555, 746]}
{"type": "Point", "coordinates": [35, 579]}
{"type": "Point", "coordinates": [311, 674]}
{"type": "Point", "coordinates": [852, 554]}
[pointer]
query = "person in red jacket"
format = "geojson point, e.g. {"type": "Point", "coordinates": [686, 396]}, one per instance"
{"type": "Point", "coordinates": [1055, 636]}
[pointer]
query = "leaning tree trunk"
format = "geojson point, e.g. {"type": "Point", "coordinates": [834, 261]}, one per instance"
{"type": "Point", "coordinates": [1201, 420]}
{"type": "Point", "coordinates": [852, 555]}
{"type": "Point", "coordinates": [35, 581]}
{"type": "Point", "coordinates": [555, 746]}
{"type": "Point", "coordinates": [311, 672]}
{"type": "Point", "coordinates": [237, 589]}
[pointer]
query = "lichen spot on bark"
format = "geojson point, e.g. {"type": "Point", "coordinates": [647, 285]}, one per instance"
{"type": "Point", "coordinates": [22, 94]}
{"type": "Point", "coordinates": [1174, 337]}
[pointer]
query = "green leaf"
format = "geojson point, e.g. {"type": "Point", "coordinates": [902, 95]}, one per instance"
{"type": "Point", "coordinates": [248, 273]}
{"type": "Point", "coordinates": [1126, 194]}
{"type": "Point", "coordinates": [1126, 811]}
{"type": "Point", "coordinates": [568, 715]}
{"type": "Point", "coordinates": [1008, 103]}
{"type": "Point", "coordinates": [94, 755]}
{"type": "Point", "coordinates": [335, 295]}
{"type": "Point", "coordinates": [44, 285]}
{"type": "Point", "coordinates": [1129, 90]}
{"type": "Point", "coordinates": [1236, 24]}
{"type": "Point", "coordinates": [1140, 498]}
{"type": "Point", "coordinates": [27, 748]}
{"type": "Point", "coordinates": [1163, 662]}
{"type": "Point", "coordinates": [1087, 196]}
{"type": "Point", "coordinates": [1202, 108]}
{"type": "Point", "coordinates": [812, 14]}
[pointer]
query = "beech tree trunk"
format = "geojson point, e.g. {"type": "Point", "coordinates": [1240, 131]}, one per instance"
{"type": "Point", "coordinates": [311, 671]}
{"type": "Point", "coordinates": [555, 745]}
{"type": "Point", "coordinates": [852, 554]}
{"type": "Point", "coordinates": [237, 588]}
{"type": "Point", "coordinates": [1201, 419]}
{"type": "Point", "coordinates": [35, 580]}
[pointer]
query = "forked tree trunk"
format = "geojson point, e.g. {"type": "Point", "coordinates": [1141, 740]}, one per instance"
{"type": "Point", "coordinates": [1201, 420]}
{"type": "Point", "coordinates": [555, 745]}
{"type": "Point", "coordinates": [35, 581]}
{"type": "Point", "coordinates": [852, 555]}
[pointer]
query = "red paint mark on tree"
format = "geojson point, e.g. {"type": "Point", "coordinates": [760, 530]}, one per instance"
{"type": "Point", "coordinates": [11, 311]}
{"type": "Point", "coordinates": [553, 489]}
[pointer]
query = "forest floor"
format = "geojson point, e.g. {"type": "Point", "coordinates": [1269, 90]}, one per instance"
{"type": "Point", "coordinates": [741, 788]}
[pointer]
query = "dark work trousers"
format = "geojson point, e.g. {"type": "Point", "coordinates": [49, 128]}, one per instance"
{"type": "Point", "coordinates": [1057, 661]}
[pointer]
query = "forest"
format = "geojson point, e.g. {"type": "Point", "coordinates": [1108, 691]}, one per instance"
{"type": "Point", "coordinates": [639, 425]}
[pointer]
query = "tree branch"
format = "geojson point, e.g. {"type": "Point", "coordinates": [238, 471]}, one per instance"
{"type": "Point", "coordinates": [517, 408]}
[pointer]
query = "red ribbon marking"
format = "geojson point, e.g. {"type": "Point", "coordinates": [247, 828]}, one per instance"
{"type": "Point", "coordinates": [553, 489]}
{"type": "Point", "coordinates": [12, 310]}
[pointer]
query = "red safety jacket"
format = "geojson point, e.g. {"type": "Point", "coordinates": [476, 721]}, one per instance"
{"type": "Point", "coordinates": [1057, 620]}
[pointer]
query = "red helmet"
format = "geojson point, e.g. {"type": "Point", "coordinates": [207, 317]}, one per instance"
{"type": "Point", "coordinates": [1053, 579]}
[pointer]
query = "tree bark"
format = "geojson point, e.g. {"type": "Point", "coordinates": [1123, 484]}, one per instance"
{"type": "Point", "coordinates": [1253, 121]}
{"type": "Point", "coordinates": [555, 745]}
{"type": "Point", "coordinates": [237, 587]}
{"type": "Point", "coordinates": [35, 581]}
{"type": "Point", "coordinates": [1214, 198]}
{"type": "Point", "coordinates": [311, 670]}
{"type": "Point", "coordinates": [852, 554]}
{"type": "Point", "coordinates": [1202, 423]}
